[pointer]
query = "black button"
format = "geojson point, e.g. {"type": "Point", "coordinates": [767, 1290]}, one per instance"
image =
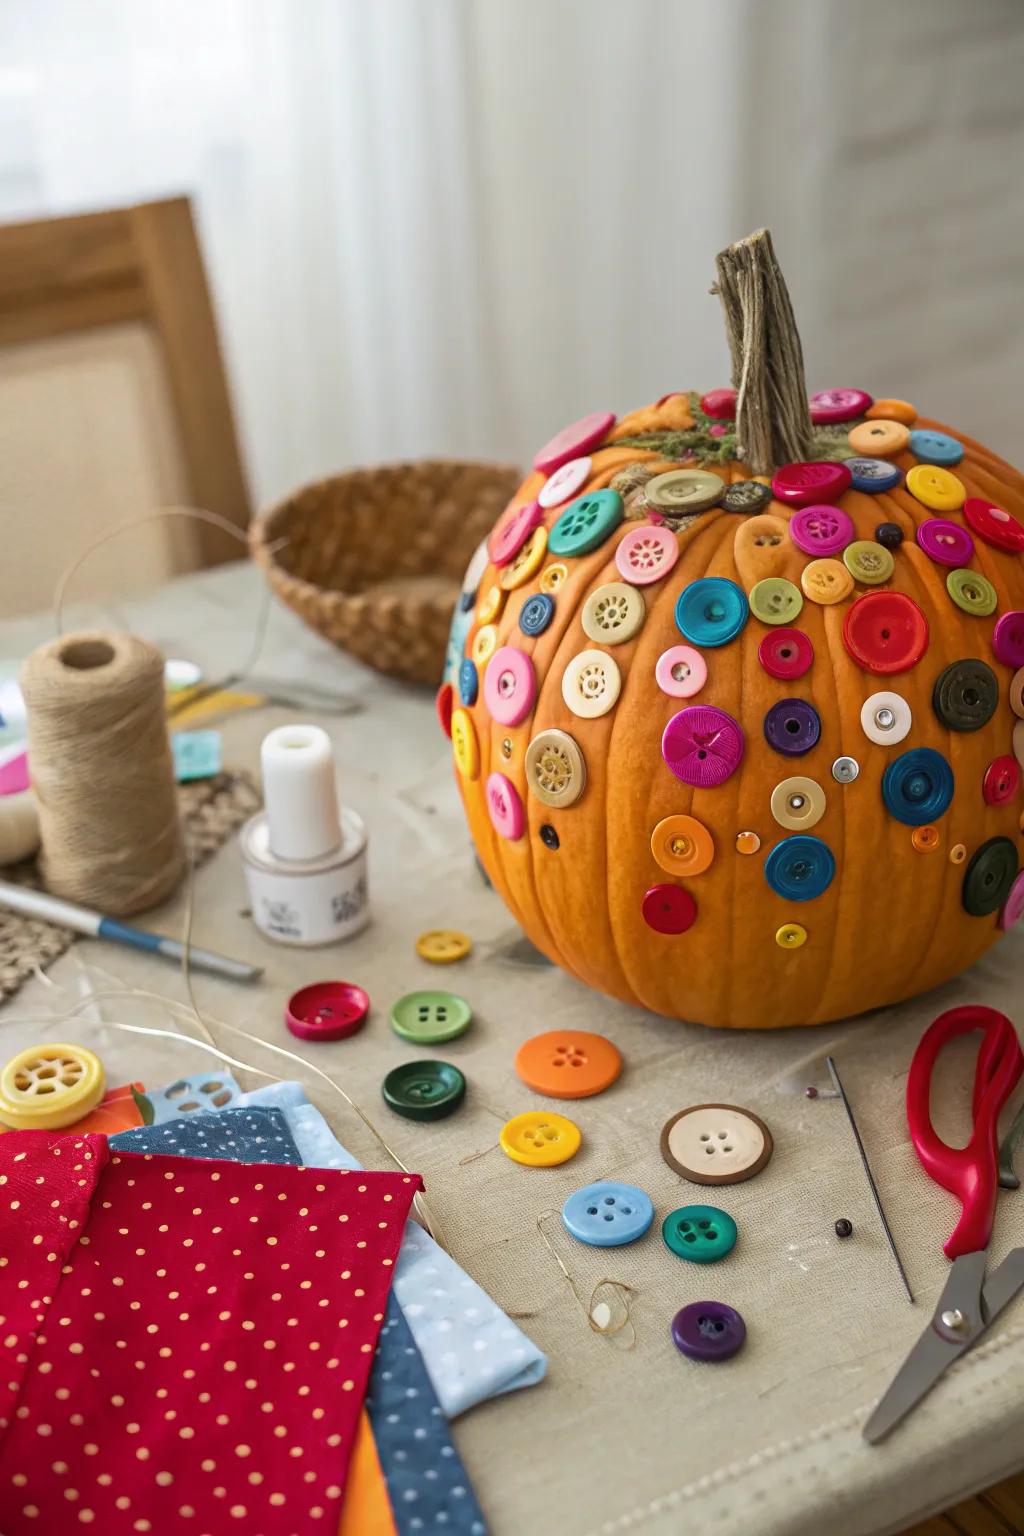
{"type": "Point", "coordinates": [966, 695]}
{"type": "Point", "coordinates": [746, 496]}
{"type": "Point", "coordinates": [889, 534]}
{"type": "Point", "coordinates": [844, 1227]}
{"type": "Point", "coordinates": [548, 835]}
{"type": "Point", "coordinates": [989, 876]}
{"type": "Point", "coordinates": [466, 601]}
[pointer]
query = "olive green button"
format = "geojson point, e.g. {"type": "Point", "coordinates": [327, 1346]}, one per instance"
{"type": "Point", "coordinates": [427, 1018]}
{"type": "Point", "coordinates": [774, 600]}
{"type": "Point", "coordinates": [989, 876]}
{"type": "Point", "coordinates": [701, 1233]}
{"type": "Point", "coordinates": [424, 1090]}
{"type": "Point", "coordinates": [868, 562]}
{"type": "Point", "coordinates": [684, 490]}
{"type": "Point", "coordinates": [972, 592]}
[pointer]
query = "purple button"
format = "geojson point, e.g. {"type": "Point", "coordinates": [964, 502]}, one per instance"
{"type": "Point", "coordinates": [708, 1330]}
{"type": "Point", "coordinates": [1013, 908]}
{"type": "Point", "coordinates": [831, 405]}
{"type": "Point", "coordinates": [1008, 639]}
{"type": "Point", "coordinates": [574, 441]}
{"type": "Point", "coordinates": [821, 530]}
{"type": "Point", "coordinates": [944, 542]}
{"type": "Point", "coordinates": [792, 727]}
{"type": "Point", "coordinates": [702, 745]}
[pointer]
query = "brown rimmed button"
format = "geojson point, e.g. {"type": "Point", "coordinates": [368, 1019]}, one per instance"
{"type": "Point", "coordinates": [716, 1144]}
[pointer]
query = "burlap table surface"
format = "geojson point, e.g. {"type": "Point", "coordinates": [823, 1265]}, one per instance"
{"type": "Point", "coordinates": [615, 1439]}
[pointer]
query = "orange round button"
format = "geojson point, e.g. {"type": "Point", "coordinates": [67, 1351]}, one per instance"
{"type": "Point", "coordinates": [879, 438]}
{"type": "Point", "coordinates": [892, 410]}
{"type": "Point", "coordinates": [682, 845]}
{"type": "Point", "coordinates": [568, 1064]}
{"type": "Point", "coordinates": [925, 839]}
{"type": "Point", "coordinates": [747, 842]}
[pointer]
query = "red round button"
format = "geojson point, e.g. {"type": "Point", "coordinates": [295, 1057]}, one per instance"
{"type": "Point", "coordinates": [668, 909]}
{"type": "Point", "coordinates": [443, 704]}
{"type": "Point", "coordinates": [885, 632]}
{"type": "Point", "coordinates": [327, 1010]}
{"type": "Point", "coordinates": [801, 484]}
{"type": "Point", "coordinates": [1001, 781]}
{"type": "Point", "coordinates": [835, 405]}
{"type": "Point", "coordinates": [994, 525]}
{"type": "Point", "coordinates": [785, 653]}
{"type": "Point", "coordinates": [720, 404]}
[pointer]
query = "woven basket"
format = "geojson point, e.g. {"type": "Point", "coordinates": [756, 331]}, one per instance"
{"type": "Point", "coordinates": [374, 558]}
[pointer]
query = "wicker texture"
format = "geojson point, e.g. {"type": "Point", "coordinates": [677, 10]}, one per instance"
{"type": "Point", "coordinates": [373, 558]}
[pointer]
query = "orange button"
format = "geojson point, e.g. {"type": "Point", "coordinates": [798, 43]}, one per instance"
{"type": "Point", "coordinates": [681, 845]}
{"type": "Point", "coordinates": [879, 438]}
{"type": "Point", "coordinates": [568, 1064]}
{"type": "Point", "coordinates": [925, 839]}
{"type": "Point", "coordinates": [747, 842]}
{"type": "Point", "coordinates": [892, 410]}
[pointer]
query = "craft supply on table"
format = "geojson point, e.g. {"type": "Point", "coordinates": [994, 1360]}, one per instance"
{"type": "Point", "coordinates": [424, 1090]}
{"type": "Point", "coordinates": [703, 1234]}
{"type": "Point", "coordinates": [568, 1063]}
{"type": "Point", "coordinates": [45, 1087]}
{"type": "Point", "coordinates": [327, 1010]}
{"type": "Point", "coordinates": [716, 1144]}
{"type": "Point", "coordinates": [430, 1018]}
{"type": "Point", "coordinates": [304, 854]}
{"type": "Point", "coordinates": [540, 1139]}
{"type": "Point", "coordinates": [608, 1214]}
{"type": "Point", "coordinates": [19, 827]}
{"type": "Point", "coordinates": [443, 946]}
{"type": "Point", "coordinates": [708, 1330]}
{"type": "Point", "coordinates": [197, 755]}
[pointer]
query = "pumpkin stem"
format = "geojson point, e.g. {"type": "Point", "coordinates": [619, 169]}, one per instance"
{"type": "Point", "coordinates": [773, 422]}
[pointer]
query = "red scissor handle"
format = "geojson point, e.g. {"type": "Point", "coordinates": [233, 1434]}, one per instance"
{"type": "Point", "coordinates": [971, 1173]}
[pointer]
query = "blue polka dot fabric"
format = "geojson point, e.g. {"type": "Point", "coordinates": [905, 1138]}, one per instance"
{"type": "Point", "coordinates": [239, 1135]}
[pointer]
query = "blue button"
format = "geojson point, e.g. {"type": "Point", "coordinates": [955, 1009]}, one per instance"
{"type": "Point", "coordinates": [800, 868]}
{"type": "Point", "coordinates": [711, 611]}
{"type": "Point", "coordinates": [917, 787]}
{"type": "Point", "coordinates": [607, 1214]}
{"type": "Point", "coordinates": [469, 682]}
{"type": "Point", "coordinates": [467, 601]}
{"type": "Point", "coordinates": [935, 447]}
{"type": "Point", "coordinates": [586, 523]}
{"type": "Point", "coordinates": [873, 475]}
{"type": "Point", "coordinates": [536, 614]}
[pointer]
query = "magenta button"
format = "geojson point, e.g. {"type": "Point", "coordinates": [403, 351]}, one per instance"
{"type": "Point", "coordinates": [720, 404]}
{"type": "Point", "coordinates": [801, 484]}
{"type": "Point", "coordinates": [510, 685]}
{"type": "Point", "coordinates": [834, 405]}
{"type": "Point", "coordinates": [1008, 639]}
{"type": "Point", "coordinates": [668, 909]}
{"type": "Point", "coordinates": [821, 530]}
{"type": "Point", "coordinates": [513, 531]}
{"type": "Point", "coordinates": [327, 1010]}
{"type": "Point", "coordinates": [505, 807]}
{"type": "Point", "coordinates": [574, 440]}
{"type": "Point", "coordinates": [945, 542]}
{"type": "Point", "coordinates": [1013, 907]}
{"type": "Point", "coordinates": [702, 745]}
{"type": "Point", "coordinates": [786, 653]}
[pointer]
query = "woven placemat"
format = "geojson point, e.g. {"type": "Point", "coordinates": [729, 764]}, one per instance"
{"type": "Point", "coordinates": [211, 809]}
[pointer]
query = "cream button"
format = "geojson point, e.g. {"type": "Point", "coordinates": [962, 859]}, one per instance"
{"type": "Point", "coordinates": [555, 768]}
{"type": "Point", "coordinates": [591, 683]}
{"type": "Point", "coordinates": [885, 718]}
{"type": "Point", "coordinates": [716, 1144]}
{"type": "Point", "coordinates": [798, 803]}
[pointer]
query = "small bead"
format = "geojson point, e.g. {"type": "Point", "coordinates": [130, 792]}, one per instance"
{"type": "Point", "coordinates": [844, 1228]}
{"type": "Point", "coordinates": [889, 534]}
{"type": "Point", "coordinates": [810, 1092]}
{"type": "Point", "coordinates": [548, 836]}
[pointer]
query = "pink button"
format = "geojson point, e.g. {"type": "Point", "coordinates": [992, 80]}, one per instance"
{"type": "Point", "coordinates": [801, 484]}
{"type": "Point", "coordinates": [1008, 639]}
{"type": "Point", "coordinates": [821, 530]}
{"type": "Point", "coordinates": [702, 745]}
{"type": "Point", "coordinates": [574, 440]}
{"type": "Point", "coordinates": [646, 554]}
{"type": "Point", "coordinates": [786, 653]}
{"type": "Point", "coordinates": [565, 482]}
{"type": "Point", "coordinates": [945, 542]}
{"type": "Point", "coordinates": [513, 531]}
{"type": "Point", "coordinates": [1013, 908]}
{"type": "Point", "coordinates": [719, 403]}
{"type": "Point", "coordinates": [1001, 781]}
{"type": "Point", "coordinates": [327, 1010]}
{"type": "Point", "coordinates": [833, 405]}
{"type": "Point", "coordinates": [510, 686]}
{"type": "Point", "coordinates": [681, 671]}
{"type": "Point", "coordinates": [505, 807]}
{"type": "Point", "coordinates": [668, 909]}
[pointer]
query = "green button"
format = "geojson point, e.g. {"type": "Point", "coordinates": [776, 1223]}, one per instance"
{"type": "Point", "coordinates": [989, 876]}
{"type": "Point", "coordinates": [586, 523]}
{"type": "Point", "coordinates": [973, 593]}
{"type": "Point", "coordinates": [701, 1233]}
{"type": "Point", "coordinates": [424, 1090]}
{"type": "Point", "coordinates": [868, 562]}
{"type": "Point", "coordinates": [775, 600]}
{"type": "Point", "coordinates": [427, 1018]}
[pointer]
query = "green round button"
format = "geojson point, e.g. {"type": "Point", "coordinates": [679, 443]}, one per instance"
{"type": "Point", "coordinates": [868, 562]}
{"type": "Point", "coordinates": [424, 1090]}
{"type": "Point", "coordinates": [972, 592]}
{"type": "Point", "coordinates": [775, 600]}
{"type": "Point", "coordinates": [684, 490]}
{"type": "Point", "coordinates": [989, 876]}
{"type": "Point", "coordinates": [586, 523]}
{"type": "Point", "coordinates": [428, 1018]}
{"type": "Point", "coordinates": [701, 1233]}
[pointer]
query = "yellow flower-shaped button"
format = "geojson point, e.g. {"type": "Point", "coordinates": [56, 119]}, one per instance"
{"type": "Point", "coordinates": [464, 744]}
{"type": "Point", "coordinates": [485, 642]}
{"type": "Point", "coordinates": [527, 562]}
{"type": "Point", "coordinates": [936, 488]}
{"type": "Point", "coordinates": [869, 562]}
{"type": "Point", "coordinates": [540, 1139]}
{"type": "Point", "coordinates": [826, 581]}
{"type": "Point", "coordinates": [489, 606]}
{"type": "Point", "coordinates": [49, 1086]}
{"type": "Point", "coordinates": [443, 946]}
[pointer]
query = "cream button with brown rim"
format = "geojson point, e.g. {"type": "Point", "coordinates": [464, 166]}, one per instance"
{"type": "Point", "coordinates": [798, 803]}
{"type": "Point", "coordinates": [556, 771]}
{"type": "Point", "coordinates": [613, 613]}
{"type": "Point", "coordinates": [684, 490]}
{"type": "Point", "coordinates": [716, 1144]}
{"type": "Point", "coordinates": [591, 683]}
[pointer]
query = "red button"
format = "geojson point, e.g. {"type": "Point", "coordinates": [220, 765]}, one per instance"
{"type": "Point", "coordinates": [992, 524]}
{"type": "Point", "coordinates": [834, 405]}
{"type": "Point", "coordinates": [443, 703]}
{"type": "Point", "coordinates": [801, 484]}
{"type": "Point", "coordinates": [785, 653]}
{"type": "Point", "coordinates": [1001, 781]}
{"type": "Point", "coordinates": [885, 632]}
{"type": "Point", "coordinates": [719, 403]}
{"type": "Point", "coordinates": [327, 1010]}
{"type": "Point", "coordinates": [574, 440]}
{"type": "Point", "coordinates": [668, 909]}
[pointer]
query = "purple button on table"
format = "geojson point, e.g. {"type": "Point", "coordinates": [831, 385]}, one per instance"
{"type": "Point", "coordinates": [1008, 639]}
{"type": "Point", "coordinates": [792, 727]}
{"type": "Point", "coordinates": [945, 542]}
{"type": "Point", "coordinates": [821, 530]}
{"type": "Point", "coordinates": [702, 745]}
{"type": "Point", "coordinates": [708, 1330]}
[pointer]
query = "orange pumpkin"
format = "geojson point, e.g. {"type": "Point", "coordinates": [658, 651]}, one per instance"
{"type": "Point", "coordinates": [751, 757]}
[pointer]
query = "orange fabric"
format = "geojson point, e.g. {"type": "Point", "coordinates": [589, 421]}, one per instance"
{"type": "Point", "coordinates": [116, 1111]}
{"type": "Point", "coordinates": [366, 1510]}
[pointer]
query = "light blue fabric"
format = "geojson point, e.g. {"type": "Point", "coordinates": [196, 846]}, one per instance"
{"type": "Point", "coordinates": [200, 1093]}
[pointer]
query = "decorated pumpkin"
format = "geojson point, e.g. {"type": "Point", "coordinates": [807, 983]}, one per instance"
{"type": "Point", "coordinates": [736, 692]}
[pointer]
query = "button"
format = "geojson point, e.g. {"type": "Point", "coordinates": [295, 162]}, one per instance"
{"type": "Point", "coordinates": [936, 488]}
{"type": "Point", "coordinates": [45, 1087]}
{"type": "Point", "coordinates": [746, 496]}
{"type": "Point", "coordinates": [774, 600]}
{"type": "Point", "coordinates": [490, 605]}
{"type": "Point", "coordinates": [568, 1064]}
{"type": "Point", "coordinates": [933, 447]}
{"type": "Point", "coordinates": [573, 441]}
{"type": "Point", "coordinates": [1001, 781]}
{"type": "Point", "coordinates": [873, 475]}
{"type": "Point", "coordinates": [613, 613]}
{"type": "Point", "coordinates": [798, 485]}
{"type": "Point", "coordinates": [586, 523]}
{"type": "Point", "coordinates": [536, 614]}
{"type": "Point", "coordinates": [885, 632]}
{"type": "Point", "coordinates": [1008, 639]}
{"type": "Point", "coordinates": [477, 566]}
{"type": "Point", "coordinates": [925, 839]}
{"type": "Point", "coordinates": [958, 853]}
{"type": "Point", "coordinates": [826, 582]}
{"type": "Point", "coordinates": [878, 438]}
{"type": "Point", "coordinates": [549, 837]}
{"type": "Point", "coordinates": [792, 727]}
{"type": "Point", "coordinates": [917, 786]}
{"type": "Point", "coordinates": [428, 1018]}
{"type": "Point", "coordinates": [1018, 749]}
{"type": "Point", "coordinates": [701, 1233]}
{"type": "Point", "coordinates": [966, 695]}
{"type": "Point", "coordinates": [467, 601]}
{"type": "Point", "coordinates": [484, 642]}
{"type": "Point", "coordinates": [527, 562]}
{"type": "Point", "coordinates": [845, 770]}
{"type": "Point", "coordinates": [505, 807]}
{"type": "Point", "coordinates": [786, 653]}
{"type": "Point", "coordinates": [424, 1090]}
{"type": "Point", "coordinates": [469, 681]}
{"type": "Point", "coordinates": [540, 1139]}
{"type": "Point", "coordinates": [668, 909]}
{"type": "Point", "coordinates": [791, 936]}
{"type": "Point", "coordinates": [682, 845]}
{"type": "Point", "coordinates": [821, 529]}
{"type": "Point", "coordinates": [646, 554]}
{"type": "Point", "coordinates": [893, 410]}
{"type": "Point", "coordinates": [711, 611]}
{"type": "Point", "coordinates": [443, 704]}
{"type": "Point", "coordinates": [870, 563]}
{"type": "Point", "coordinates": [800, 868]}
{"type": "Point", "coordinates": [464, 745]}
{"type": "Point", "coordinates": [716, 1144]}
{"type": "Point", "coordinates": [989, 877]}
{"type": "Point", "coordinates": [885, 718]}
{"type": "Point", "coordinates": [719, 404]}
{"type": "Point", "coordinates": [1017, 693]}
{"type": "Point", "coordinates": [566, 482]}
{"type": "Point", "coordinates": [945, 542]}
{"type": "Point", "coordinates": [747, 842]}
{"type": "Point", "coordinates": [680, 671]}
{"type": "Point", "coordinates": [591, 683]}
{"type": "Point", "coordinates": [1013, 907]}
{"type": "Point", "coordinates": [555, 768]}
{"type": "Point", "coordinates": [607, 1214]}
{"type": "Point", "coordinates": [552, 577]}
{"type": "Point", "coordinates": [890, 535]}
{"type": "Point", "coordinates": [510, 685]}
{"type": "Point", "coordinates": [972, 592]}
{"type": "Point", "coordinates": [327, 1010]}
{"type": "Point", "coordinates": [443, 946]}
{"type": "Point", "coordinates": [702, 745]}
{"type": "Point", "coordinates": [683, 491]}
{"type": "Point", "coordinates": [513, 530]}
{"type": "Point", "coordinates": [993, 524]}
{"type": "Point", "coordinates": [830, 406]}
{"type": "Point", "coordinates": [708, 1330]}
{"type": "Point", "coordinates": [798, 803]}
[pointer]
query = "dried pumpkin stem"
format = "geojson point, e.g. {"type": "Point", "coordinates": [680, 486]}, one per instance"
{"type": "Point", "coordinates": [773, 423]}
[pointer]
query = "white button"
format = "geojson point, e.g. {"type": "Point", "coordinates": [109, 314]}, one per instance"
{"type": "Point", "coordinates": [613, 613]}
{"type": "Point", "coordinates": [716, 1144]}
{"type": "Point", "coordinates": [555, 768]}
{"type": "Point", "coordinates": [885, 718]}
{"type": "Point", "coordinates": [798, 802]}
{"type": "Point", "coordinates": [591, 683]}
{"type": "Point", "coordinates": [565, 482]}
{"type": "Point", "coordinates": [475, 569]}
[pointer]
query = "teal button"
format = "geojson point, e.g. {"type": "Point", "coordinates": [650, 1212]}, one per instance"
{"type": "Point", "coordinates": [701, 1233]}
{"type": "Point", "coordinates": [711, 611]}
{"type": "Point", "coordinates": [586, 523]}
{"type": "Point", "coordinates": [424, 1090]}
{"type": "Point", "coordinates": [428, 1018]}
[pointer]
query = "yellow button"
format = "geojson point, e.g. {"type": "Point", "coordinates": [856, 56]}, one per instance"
{"type": "Point", "coordinates": [798, 802]}
{"type": "Point", "coordinates": [484, 644]}
{"type": "Point", "coordinates": [936, 488]}
{"type": "Point", "coordinates": [553, 576]}
{"type": "Point", "coordinates": [527, 562]}
{"type": "Point", "coordinates": [879, 439]}
{"type": "Point", "coordinates": [540, 1139]}
{"type": "Point", "coordinates": [892, 410]}
{"type": "Point", "coordinates": [464, 745]}
{"type": "Point", "coordinates": [47, 1087]}
{"type": "Point", "coordinates": [442, 946]}
{"type": "Point", "coordinates": [791, 936]}
{"type": "Point", "coordinates": [868, 562]}
{"type": "Point", "coordinates": [826, 581]}
{"type": "Point", "coordinates": [489, 606]}
{"type": "Point", "coordinates": [682, 845]}
{"type": "Point", "coordinates": [747, 842]}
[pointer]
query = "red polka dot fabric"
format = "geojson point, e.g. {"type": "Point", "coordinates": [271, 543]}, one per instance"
{"type": "Point", "coordinates": [186, 1343]}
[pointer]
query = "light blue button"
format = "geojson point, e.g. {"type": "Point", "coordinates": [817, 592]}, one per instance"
{"type": "Point", "coordinates": [469, 682]}
{"type": "Point", "coordinates": [873, 475]}
{"type": "Point", "coordinates": [935, 447]}
{"type": "Point", "coordinates": [607, 1214]}
{"type": "Point", "coordinates": [711, 611]}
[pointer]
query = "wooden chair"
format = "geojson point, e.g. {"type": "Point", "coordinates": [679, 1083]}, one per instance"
{"type": "Point", "coordinates": [113, 402]}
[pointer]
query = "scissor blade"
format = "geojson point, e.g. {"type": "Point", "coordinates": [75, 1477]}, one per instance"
{"type": "Point", "coordinates": [1003, 1284]}
{"type": "Point", "coordinates": [915, 1378]}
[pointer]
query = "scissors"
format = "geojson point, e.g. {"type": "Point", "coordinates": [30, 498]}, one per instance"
{"type": "Point", "coordinates": [969, 1303]}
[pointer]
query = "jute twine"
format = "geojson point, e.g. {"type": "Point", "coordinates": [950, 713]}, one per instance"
{"type": "Point", "coordinates": [102, 771]}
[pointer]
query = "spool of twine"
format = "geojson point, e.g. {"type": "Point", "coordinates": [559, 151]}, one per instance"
{"type": "Point", "coordinates": [19, 827]}
{"type": "Point", "coordinates": [102, 771]}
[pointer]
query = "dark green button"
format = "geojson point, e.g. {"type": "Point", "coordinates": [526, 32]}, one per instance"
{"type": "Point", "coordinates": [966, 695]}
{"type": "Point", "coordinates": [700, 1233]}
{"type": "Point", "coordinates": [428, 1018]}
{"type": "Point", "coordinates": [424, 1090]}
{"type": "Point", "coordinates": [989, 876]}
{"type": "Point", "coordinates": [746, 496]}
